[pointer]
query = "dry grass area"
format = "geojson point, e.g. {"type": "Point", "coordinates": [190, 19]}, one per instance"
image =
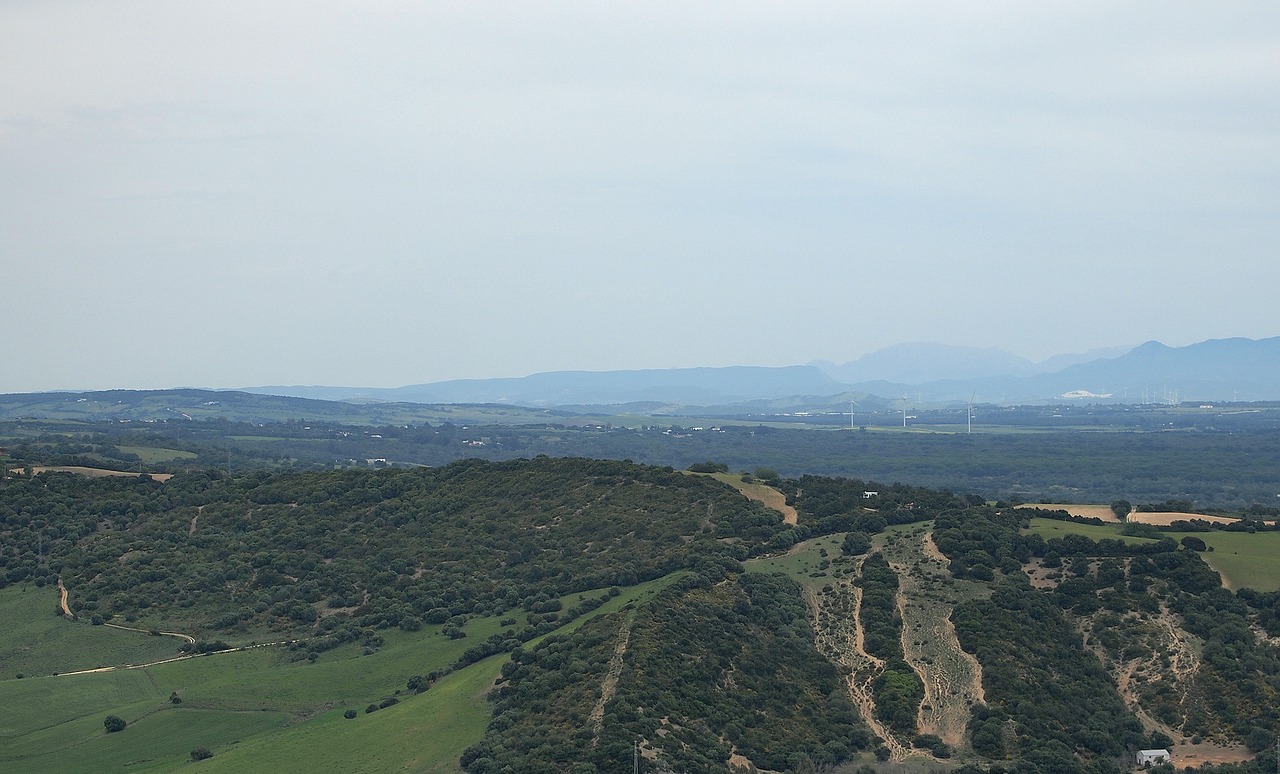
{"type": "Point", "coordinates": [761, 493]}
{"type": "Point", "coordinates": [952, 678]}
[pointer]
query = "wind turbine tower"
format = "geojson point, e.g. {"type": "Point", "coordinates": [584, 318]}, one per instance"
{"type": "Point", "coordinates": [904, 411]}
{"type": "Point", "coordinates": [971, 397]}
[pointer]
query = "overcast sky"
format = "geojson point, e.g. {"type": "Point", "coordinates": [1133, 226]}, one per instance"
{"type": "Point", "coordinates": [386, 193]}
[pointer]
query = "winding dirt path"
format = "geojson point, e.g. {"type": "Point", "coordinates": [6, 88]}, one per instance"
{"type": "Point", "coordinates": [173, 659]}
{"type": "Point", "coordinates": [62, 599]}
{"type": "Point", "coordinates": [192, 529]}
{"type": "Point", "coordinates": [185, 637]}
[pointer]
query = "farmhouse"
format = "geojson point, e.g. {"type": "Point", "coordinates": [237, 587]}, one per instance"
{"type": "Point", "coordinates": [1152, 756]}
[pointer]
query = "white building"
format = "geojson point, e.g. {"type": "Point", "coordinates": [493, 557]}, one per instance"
{"type": "Point", "coordinates": [1153, 756]}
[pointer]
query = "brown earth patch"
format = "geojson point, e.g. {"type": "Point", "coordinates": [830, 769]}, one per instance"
{"type": "Point", "coordinates": [1042, 577]}
{"type": "Point", "coordinates": [609, 685]}
{"type": "Point", "coordinates": [1186, 756]}
{"type": "Point", "coordinates": [764, 494]}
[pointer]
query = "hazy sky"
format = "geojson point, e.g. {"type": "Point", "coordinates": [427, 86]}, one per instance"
{"type": "Point", "coordinates": [385, 193]}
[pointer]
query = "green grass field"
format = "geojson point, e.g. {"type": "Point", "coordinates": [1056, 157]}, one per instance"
{"type": "Point", "coordinates": [803, 562]}
{"type": "Point", "coordinates": [152, 454]}
{"type": "Point", "coordinates": [1243, 559]}
{"type": "Point", "coordinates": [255, 709]}
{"type": "Point", "coordinates": [37, 642]}
{"type": "Point", "coordinates": [1052, 528]}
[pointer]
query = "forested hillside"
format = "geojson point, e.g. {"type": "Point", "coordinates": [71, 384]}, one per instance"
{"type": "Point", "coordinates": [631, 615]}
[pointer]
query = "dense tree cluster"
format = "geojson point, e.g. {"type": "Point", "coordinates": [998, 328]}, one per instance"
{"type": "Point", "coordinates": [745, 678]}
{"type": "Point", "coordinates": [342, 552]}
{"type": "Point", "coordinates": [1028, 643]}
{"type": "Point", "coordinates": [898, 690]}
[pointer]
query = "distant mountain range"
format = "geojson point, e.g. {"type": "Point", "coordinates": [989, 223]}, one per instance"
{"type": "Point", "coordinates": [1218, 369]}
{"type": "Point", "coordinates": [920, 363]}
{"type": "Point", "coordinates": [683, 386]}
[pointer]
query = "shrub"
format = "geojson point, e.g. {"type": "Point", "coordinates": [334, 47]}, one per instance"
{"type": "Point", "coordinates": [201, 754]}
{"type": "Point", "coordinates": [349, 714]}
{"type": "Point", "coordinates": [114, 723]}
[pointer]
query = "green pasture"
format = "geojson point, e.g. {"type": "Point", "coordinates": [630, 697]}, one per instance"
{"type": "Point", "coordinates": [1242, 559]}
{"type": "Point", "coordinates": [34, 641]}
{"type": "Point", "coordinates": [804, 561]}
{"type": "Point", "coordinates": [152, 454]}
{"type": "Point", "coordinates": [256, 709]}
{"type": "Point", "coordinates": [1052, 528]}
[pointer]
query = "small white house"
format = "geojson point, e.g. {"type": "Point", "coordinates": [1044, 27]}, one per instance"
{"type": "Point", "coordinates": [1152, 756]}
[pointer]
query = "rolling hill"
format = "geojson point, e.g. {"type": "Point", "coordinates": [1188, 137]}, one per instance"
{"type": "Point", "coordinates": [569, 614]}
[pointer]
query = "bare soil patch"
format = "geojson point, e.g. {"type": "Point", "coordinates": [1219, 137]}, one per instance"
{"type": "Point", "coordinates": [764, 494]}
{"type": "Point", "coordinates": [839, 637]}
{"type": "Point", "coordinates": [1042, 577]}
{"type": "Point", "coordinates": [1186, 756]}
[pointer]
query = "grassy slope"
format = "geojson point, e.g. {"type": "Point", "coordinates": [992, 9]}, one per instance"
{"type": "Point", "coordinates": [1051, 528]}
{"type": "Point", "coordinates": [1243, 560]}
{"type": "Point", "coordinates": [34, 641]}
{"type": "Point", "coordinates": [254, 709]}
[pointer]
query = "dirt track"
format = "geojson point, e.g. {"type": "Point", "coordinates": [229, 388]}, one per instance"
{"type": "Point", "coordinates": [62, 600]}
